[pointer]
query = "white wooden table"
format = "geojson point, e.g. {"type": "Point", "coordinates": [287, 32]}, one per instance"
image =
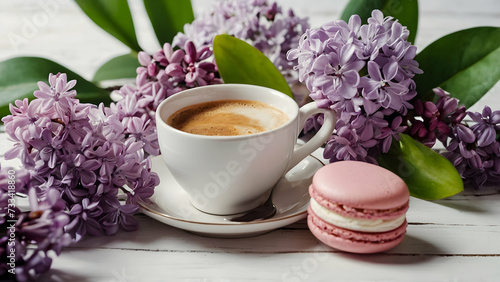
{"type": "Point", "coordinates": [455, 239]}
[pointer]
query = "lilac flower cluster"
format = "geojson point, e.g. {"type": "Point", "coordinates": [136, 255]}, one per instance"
{"type": "Point", "coordinates": [434, 121]}
{"type": "Point", "coordinates": [364, 72]}
{"type": "Point", "coordinates": [263, 25]}
{"type": "Point", "coordinates": [84, 155]}
{"type": "Point", "coordinates": [168, 72]}
{"type": "Point", "coordinates": [42, 228]}
{"type": "Point", "coordinates": [160, 76]}
{"type": "Point", "coordinates": [475, 149]}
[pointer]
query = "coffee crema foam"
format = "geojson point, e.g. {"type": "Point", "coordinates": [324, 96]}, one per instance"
{"type": "Point", "coordinates": [227, 118]}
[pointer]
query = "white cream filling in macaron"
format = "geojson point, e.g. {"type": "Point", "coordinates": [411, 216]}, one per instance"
{"type": "Point", "coordinates": [356, 224]}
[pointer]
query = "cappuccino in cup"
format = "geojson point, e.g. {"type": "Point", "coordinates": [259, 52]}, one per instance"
{"type": "Point", "coordinates": [228, 118]}
{"type": "Point", "coordinates": [243, 143]}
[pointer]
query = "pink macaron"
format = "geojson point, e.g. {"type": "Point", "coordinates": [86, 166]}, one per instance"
{"type": "Point", "coordinates": [358, 207]}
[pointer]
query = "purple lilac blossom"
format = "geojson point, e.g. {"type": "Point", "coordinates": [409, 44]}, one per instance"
{"type": "Point", "coordinates": [41, 228]}
{"type": "Point", "coordinates": [431, 121]}
{"type": "Point", "coordinates": [87, 154]}
{"type": "Point", "coordinates": [262, 24]}
{"type": "Point", "coordinates": [364, 73]}
{"type": "Point", "coordinates": [475, 149]}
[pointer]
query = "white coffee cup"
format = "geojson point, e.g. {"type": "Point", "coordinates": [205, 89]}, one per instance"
{"type": "Point", "coordinates": [232, 174]}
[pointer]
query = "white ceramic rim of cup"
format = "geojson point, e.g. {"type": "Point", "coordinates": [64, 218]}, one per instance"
{"type": "Point", "coordinates": [183, 93]}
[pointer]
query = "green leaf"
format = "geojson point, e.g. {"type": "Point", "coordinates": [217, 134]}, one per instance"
{"type": "Point", "coordinates": [168, 17]}
{"type": "Point", "coordinates": [239, 62]}
{"type": "Point", "coordinates": [123, 66]}
{"type": "Point", "coordinates": [19, 77]}
{"type": "Point", "coordinates": [428, 175]}
{"type": "Point", "coordinates": [464, 63]}
{"type": "Point", "coordinates": [406, 12]}
{"type": "Point", "coordinates": [114, 17]}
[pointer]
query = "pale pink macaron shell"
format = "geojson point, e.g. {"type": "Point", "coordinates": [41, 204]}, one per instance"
{"type": "Point", "coordinates": [354, 212]}
{"type": "Point", "coordinates": [353, 241]}
{"type": "Point", "coordinates": [360, 185]}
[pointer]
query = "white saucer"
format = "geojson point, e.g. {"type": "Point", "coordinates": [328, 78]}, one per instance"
{"type": "Point", "coordinates": [170, 204]}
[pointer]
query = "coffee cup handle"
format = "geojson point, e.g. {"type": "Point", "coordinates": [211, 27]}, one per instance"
{"type": "Point", "coordinates": [326, 130]}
